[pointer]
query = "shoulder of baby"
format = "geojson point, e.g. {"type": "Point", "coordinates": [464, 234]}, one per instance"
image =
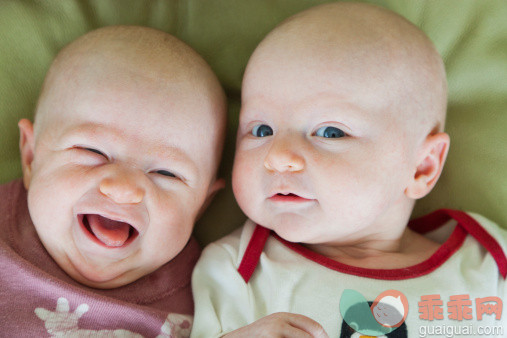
{"type": "Point", "coordinates": [491, 236]}
{"type": "Point", "coordinates": [11, 195]}
{"type": "Point", "coordinates": [492, 228]}
{"type": "Point", "coordinates": [230, 247]}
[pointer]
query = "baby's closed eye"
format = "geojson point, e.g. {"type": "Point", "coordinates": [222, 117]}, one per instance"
{"type": "Point", "coordinates": [164, 173]}
{"type": "Point", "coordinates": [95, 151]}
{"type": "Point", "coordinates": [85, 154]}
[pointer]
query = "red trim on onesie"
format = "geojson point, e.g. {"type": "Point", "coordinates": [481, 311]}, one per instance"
{"type": "Point", "coordinates": [466, 225]}
{"type": "Point", "coordinates": [253, 252]}
{"type": "Point", "coordinates": [483, 237]}
{"type": "Point", "coordinates": [438, 258]}
{"type": "Point", "coordinates": [429, 222]}
{"type": "Point", "coordinates": [434, 220]}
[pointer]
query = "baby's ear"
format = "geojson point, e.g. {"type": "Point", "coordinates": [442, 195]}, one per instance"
{"type": "Point", "coordinates": [26, 147]}
{"type": "Point", "coordinates": [430, 163]}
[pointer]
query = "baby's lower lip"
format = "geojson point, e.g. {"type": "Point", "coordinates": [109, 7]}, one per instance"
{"type": "Point", "coordinates": [288, 198]}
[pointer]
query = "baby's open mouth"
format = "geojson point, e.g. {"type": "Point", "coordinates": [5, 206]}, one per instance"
{"type": "Point", "coordinates": [109, 232]}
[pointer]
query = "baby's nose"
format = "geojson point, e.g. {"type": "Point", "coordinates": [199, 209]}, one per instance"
{"type": "Point", "coordinates": [122, 187]}
{"type": "Point", "coordinates": [283, 156]}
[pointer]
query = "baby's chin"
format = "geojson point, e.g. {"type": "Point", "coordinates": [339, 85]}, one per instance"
{"type": "Point", "coordinates": [297, 227]}
{"type": "Point", "coordinates": [296, 232]}
{"type": "Point", "coordinates": [106, 278]}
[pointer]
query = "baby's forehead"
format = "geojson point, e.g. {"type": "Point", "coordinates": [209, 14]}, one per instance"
{"type": "Point", "coordinates": [129, 61]}
{"type": "Point", "coordinates": [348, 39]}
{"type": "Point", "coordinates": [359, 51]}
{"type": "Point", "coordinates": [102, 92]}
{"type": "Point", "coordinates": [132, 113]}
{"type": "Point", "coordinates": [119, 60]}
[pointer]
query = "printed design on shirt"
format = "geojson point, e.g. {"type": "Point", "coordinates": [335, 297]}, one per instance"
{"type": "Point", "coordinates": [176, 325]}
{"type": "Point", "coordinates": [384, 317]}
{"type": "Point", "coordinates": [63, 322]}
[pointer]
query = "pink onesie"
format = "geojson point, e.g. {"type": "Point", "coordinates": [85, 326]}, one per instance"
{"type": "Point", "coordinates": [39, 299]}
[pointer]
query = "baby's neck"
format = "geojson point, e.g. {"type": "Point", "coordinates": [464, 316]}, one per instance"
{"type": "Point", "coordinates": [409, 249]}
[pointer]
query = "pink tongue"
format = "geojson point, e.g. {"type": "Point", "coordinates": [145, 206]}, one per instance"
{"type": "Point", "coordinates": [109, 232]}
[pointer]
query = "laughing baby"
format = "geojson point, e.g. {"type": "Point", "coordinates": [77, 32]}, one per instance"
{"type": "Point", "coordinates": [96, 237]}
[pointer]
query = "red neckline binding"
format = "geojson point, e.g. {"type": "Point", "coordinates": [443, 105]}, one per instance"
{"type": "Point", "coordinates": [466, 225]}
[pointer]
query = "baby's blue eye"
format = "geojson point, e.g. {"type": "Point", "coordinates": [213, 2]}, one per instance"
{"type": "Point", "coordinates": [165, 173]}
{"type": "Point", "coordinates": [262, 130]}
{"type": "Point", "coordinates": [329, 132]}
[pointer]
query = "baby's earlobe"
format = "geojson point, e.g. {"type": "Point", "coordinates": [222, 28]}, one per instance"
{"type": "Point", "coordinates": [218, 185]}
{"type": "Point", "coordinates": [215, 187]}
{"type": "Point", "coordinates": [429, 166]}
{"type": "Point", "coordinates": [26, 147]}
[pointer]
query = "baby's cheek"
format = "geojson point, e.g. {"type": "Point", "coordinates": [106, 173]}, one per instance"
{"type": "Point", "coordinates": [173, 223]}
{"type": "Point", "coordinates": [242, 176]}
{"type": "Point", "coordinates": [50, 202]}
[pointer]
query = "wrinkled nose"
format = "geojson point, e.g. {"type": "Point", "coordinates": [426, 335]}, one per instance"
{"type": "Point", "coordinates": [283, 156]}
{"type": "Point", "coordinates": [122, 186]}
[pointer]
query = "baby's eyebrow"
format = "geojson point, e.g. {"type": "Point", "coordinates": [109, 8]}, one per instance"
{"type": "Point", "coordinates": [89, 131]}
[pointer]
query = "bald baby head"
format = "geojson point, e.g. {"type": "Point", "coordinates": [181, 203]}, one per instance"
{"type": "Point", "coordinates": [364, 52]}
{"type": "Point", "coordinates": [121, 54]}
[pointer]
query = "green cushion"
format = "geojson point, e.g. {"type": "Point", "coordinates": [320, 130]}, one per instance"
{"type": "Point", "coordinates": [471, 36]}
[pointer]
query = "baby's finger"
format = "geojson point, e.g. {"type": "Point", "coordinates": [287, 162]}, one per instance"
{"type": "Point", "coordinates": [295, 332]}
{"type": "Point", "coordinates": [307, 324]}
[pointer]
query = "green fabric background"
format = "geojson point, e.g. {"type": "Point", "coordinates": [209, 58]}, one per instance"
{"type": "Point", "coordinates": [471, 35]}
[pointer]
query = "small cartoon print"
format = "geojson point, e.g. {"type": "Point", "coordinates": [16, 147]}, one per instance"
{"type": "Point", "coordinates": [63, 323]}
{"type": "Point", "coordinates": [384, 317]}
{"type": "Point", "coordinates": [390, 308]}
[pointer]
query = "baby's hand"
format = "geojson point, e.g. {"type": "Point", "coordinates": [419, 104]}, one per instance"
{"type": "Point", "coordinates": [281, 324]}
